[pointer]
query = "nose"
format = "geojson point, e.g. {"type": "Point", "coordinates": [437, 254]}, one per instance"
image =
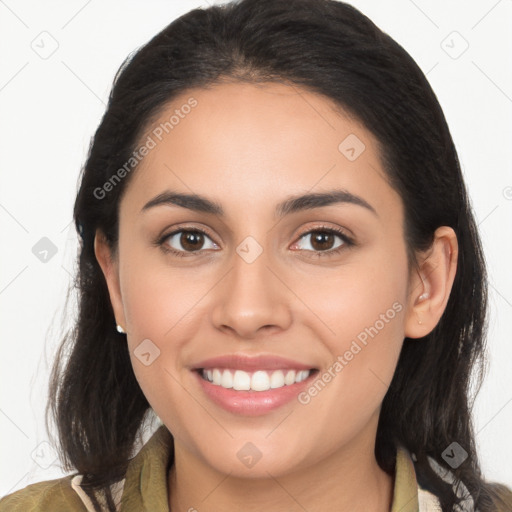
{"type": "Point", "coordinates": [252, 298]}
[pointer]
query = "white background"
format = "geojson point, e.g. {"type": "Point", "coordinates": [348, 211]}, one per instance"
{"type": "Point", "coordinates": [50, 107]}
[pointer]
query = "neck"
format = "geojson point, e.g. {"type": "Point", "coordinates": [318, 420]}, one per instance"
{"type": "Point", "coordinates": [349, 480]}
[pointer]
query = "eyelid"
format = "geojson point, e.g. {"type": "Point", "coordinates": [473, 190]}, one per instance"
{"type": "Point", "coordinates": [345, 232]}
{"type": "Point", "coordinates": [160, 240]}
{"type": "Point", "coordinates": [186, 227]}
{"type": "Point", "coordinates": [348, 240]}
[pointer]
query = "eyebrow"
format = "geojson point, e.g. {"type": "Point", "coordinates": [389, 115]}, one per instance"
{"type": "Point", "coordinates": [293, 204]}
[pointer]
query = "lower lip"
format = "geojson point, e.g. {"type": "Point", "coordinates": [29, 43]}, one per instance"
{"type": "Point", "coordinates": [253, 403]}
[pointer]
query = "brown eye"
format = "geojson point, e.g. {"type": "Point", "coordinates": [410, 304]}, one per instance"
{"type": "Point", "coordinates": [186, 240]}
{"type": "Point", "coordinates": [323, 240]}
{"type": "Point", "coordinates": [191, 240]}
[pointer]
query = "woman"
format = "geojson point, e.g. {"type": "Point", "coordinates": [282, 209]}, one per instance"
{"type": "Point", "coordinates": [279, 260]}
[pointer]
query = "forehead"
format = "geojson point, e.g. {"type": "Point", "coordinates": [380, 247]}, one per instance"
{"type": "Point", "coordinates": [250, 143]}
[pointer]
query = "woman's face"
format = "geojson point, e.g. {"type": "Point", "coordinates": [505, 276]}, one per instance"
{"type": "Point", "coordinates": [267, 278]}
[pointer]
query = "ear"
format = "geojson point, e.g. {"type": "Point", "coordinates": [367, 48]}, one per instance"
{"type": "Point", "coordinates": [431, 284]}
{"type": "Point", "coordinates": [109, 266]}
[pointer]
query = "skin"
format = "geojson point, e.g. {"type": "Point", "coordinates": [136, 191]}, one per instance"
{"type": "Point", "coordinates": [248, 147]}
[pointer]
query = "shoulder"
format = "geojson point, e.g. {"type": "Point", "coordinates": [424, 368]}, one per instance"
{"type": "Point", "coordinates": [55, 495]}
{"type": "Point", "coordinates": [504, 495]}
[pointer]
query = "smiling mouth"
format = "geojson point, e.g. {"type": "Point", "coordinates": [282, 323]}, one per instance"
{"type": "Point", "coordinates": [259, 380]}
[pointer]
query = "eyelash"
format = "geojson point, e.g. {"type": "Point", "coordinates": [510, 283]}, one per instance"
{"type": "Point", "coordinates": [347, 241]}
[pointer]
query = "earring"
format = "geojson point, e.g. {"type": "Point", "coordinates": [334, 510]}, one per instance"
{"type": "Point", "coordinates": [423, 296]}
{"type": "Point", "coordinates": [120, 329]}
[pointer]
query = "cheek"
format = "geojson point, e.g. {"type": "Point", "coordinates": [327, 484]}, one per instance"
{"type": "Point", "coordinates": [369, 292]}
{"type": "Point", "coordinates": [363, 308]}
{"type": "Point", "coordinates": [156, 297]}
{"type": "Point", "coordinates": [158, 305]}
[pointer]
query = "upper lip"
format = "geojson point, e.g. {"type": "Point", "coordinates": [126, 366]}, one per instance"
{"type": "Point", "coordinates": [248, 363]}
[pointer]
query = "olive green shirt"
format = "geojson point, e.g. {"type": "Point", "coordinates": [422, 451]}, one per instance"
{"type": "Point", "coordinates": [145, 486]}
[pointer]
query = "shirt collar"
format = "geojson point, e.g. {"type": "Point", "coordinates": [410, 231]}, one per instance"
{"type": "Point", "coordinates": [146, 486]}
{"type": "Point", "coordinates": [405, 491]}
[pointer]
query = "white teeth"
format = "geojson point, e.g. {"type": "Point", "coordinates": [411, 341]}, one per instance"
{"type": "Point", "coordinates": [290, 377]}
{"type": "Point", "coordinates": [241, 381]}
{"type": "Point", "coordinates": [260, 380]}
{"type": "Point", "coordinates": [277, 380]}
{"type": "Point", "coordinates": [217, 376]}
{"type": "Point", "coordinates": [227, 379]}
{"type": "Point", "coordinates": [302, 376]}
